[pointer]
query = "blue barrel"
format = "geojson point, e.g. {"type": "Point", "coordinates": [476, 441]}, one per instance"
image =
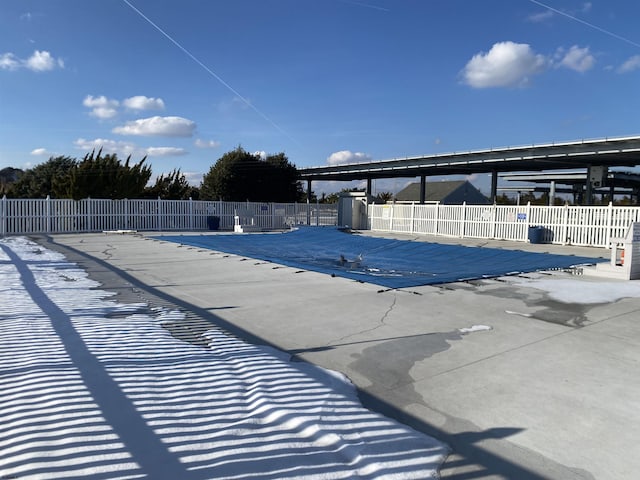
{"type": "Point", "coordinates": [536, 234]}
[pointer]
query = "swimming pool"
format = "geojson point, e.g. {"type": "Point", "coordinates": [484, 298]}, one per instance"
{"type": "Point", "coordinates": [381, 261]}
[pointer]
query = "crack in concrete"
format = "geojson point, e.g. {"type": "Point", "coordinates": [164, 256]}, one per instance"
{"type": "Point", "coordinates": [381, 323]}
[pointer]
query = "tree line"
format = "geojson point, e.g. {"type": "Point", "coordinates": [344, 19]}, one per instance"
{"type": "Point", "coordinates": [236, 176]}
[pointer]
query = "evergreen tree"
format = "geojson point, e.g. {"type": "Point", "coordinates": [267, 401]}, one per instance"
{"type": "Point", "coordinates": [174, 186]}
{"type": "Point", "coordinates": [241, 176]}
{"type": "Point", "coordinates": [103, 176]}
{"type": "Point", "coordinates": [47, 179]}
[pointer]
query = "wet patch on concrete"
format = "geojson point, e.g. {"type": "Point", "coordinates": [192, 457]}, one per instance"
{"type": "Point", "coordinates": [547, 309]}
{"type": "Point", "coordinates": [388, 363]}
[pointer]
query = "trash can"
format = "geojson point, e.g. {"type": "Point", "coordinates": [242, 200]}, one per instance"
{"type": "Point", "coordinates": [213, 223]}
{"type": "Point", "coordinates": [536, 234]}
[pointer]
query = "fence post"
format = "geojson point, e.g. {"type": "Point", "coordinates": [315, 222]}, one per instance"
{"type": "Point", "coordinates": [3, 216]}
{"type": "Point", "coordinates": [391, 218]}
{"type": "Point", "coordinates": [527, 222]}
{"type": "Point", "coordinates": [464, 219]}
{"type": "Point", "coordinates": [159, 214]}
{"type": "Point", "coordinates": [48, 209]}
{"type": "Point", "coordinates": [609, 225]}
{"type": "Point", "coordinates": [272, 206]}
{"type": "Point", "coordinates": [89, 211]}
{"type": "Point", "coordinates": [126, 213]}
{"type": "Point", "coordinates": [436, 219]}
{"type": "Point", "coordinates": [190, 213]}
{"type": "Point", "coordinates": [565, 224]}
{"type": "Point", "coordinates": [413, 216]}
{"type": "Point", "coordinates": [494, 217]}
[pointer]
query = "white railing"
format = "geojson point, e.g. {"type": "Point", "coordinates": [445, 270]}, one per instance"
{"type": "Point", "coordinates": [565, 225]}
{"type": "Point", "coordinates": [24, 216]}
{"type": "Point", "coordinates": [574, 225]}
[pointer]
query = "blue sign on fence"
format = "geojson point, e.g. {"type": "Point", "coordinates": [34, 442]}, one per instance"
{"type": "Point", "coordinates": [522, 216]}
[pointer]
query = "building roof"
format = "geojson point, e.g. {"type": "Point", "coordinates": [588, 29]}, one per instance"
{"type": "Point", "coordinates": [450, 192]}
{"type": "Point", "coordinates": [621, 152]}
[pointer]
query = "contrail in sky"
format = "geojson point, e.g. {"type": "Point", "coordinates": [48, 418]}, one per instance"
{"type": "Point", "coordinates": [591, 25]}
{"type": "Point", "coordinates": [361, 4]}
{"type": "Point", "coordinates": [208, 70]}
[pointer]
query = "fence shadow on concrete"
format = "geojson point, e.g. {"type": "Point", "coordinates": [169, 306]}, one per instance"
{"type": "Point", "coordinates": [96, 391]}
{"type": "Point", "coordinates": [469, 459]}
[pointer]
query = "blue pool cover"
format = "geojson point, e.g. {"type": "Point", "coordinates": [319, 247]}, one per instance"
{"type": "Point", "coordinates": [381, 261]}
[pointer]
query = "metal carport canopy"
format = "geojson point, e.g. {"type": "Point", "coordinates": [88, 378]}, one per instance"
{"type": "Point", "coordinates": [612, 152]}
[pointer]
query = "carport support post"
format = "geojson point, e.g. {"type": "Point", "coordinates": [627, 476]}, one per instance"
{"type": "Point", "coordinates": [309, 202]}
{"type": "Point", "coordinates": [589, 192]}
{"type": "Point", "coordinates": [423, 189]}
{"type": "Point", "coordinates": [369, 188]}
{"type": "Point", "coordinates": [552, 193]}
{"type": "Point", "coordinates": [494, 186]}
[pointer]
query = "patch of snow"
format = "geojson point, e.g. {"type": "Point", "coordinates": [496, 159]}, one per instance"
{"type": "Point", "coordinates": [92, 387]}
{"type": "Point", "coordinates": [583, 291]}
{"type": "Point", "coordinates": [475, 328]}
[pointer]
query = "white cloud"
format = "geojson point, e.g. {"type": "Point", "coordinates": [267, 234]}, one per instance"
{"type": "Point", "coordinates": [507, 64]}
{"type": "Point", "coordinates": [578, 59]}
{"type": "Point", "coordinates": [193, 178]}
{"type": "Point", "coordinates": [104, 112]}
{"type": "Point", "coordinates": [8, 61]}
{"type": "Point", "coordinates": [42, 62]}
{"type": "Point", "coordinates": [347, 156]}
{"type": "Point", "coordinates": [158, 126]}
{"type": "Point", "coordinates": [140, 102]}
{"type": "Point", "coordinates": [261, 154]}
{"type": "Point", "coordinates": [39, 61]}
{"type": "Point", "coordinates": [124, 149]}
{"type": "Point", "coordinates": [41, 152]}
{"type": "Point", "coordinates": [541, 16]}
{"type": "Point", "coordinates": [630, 65]}
{"type": "Point", "coordinates": [206, 143]}
{"type": "Point", "coordinates": [101, 107]}
{"type": "Point", "coordinates": [165, 151]}
{"type": "Point", "coordinates": [108, 146]}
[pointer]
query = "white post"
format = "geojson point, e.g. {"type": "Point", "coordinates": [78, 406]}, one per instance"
{"type": "Point", "coordinates": [159, 214]}
{"type": "Point", "coordinates": [565, 223]}
{"type": "Point", "coordinates": [464, 219]}
{"type": "Point", "coordinates": [127, 212]}
{"type": "Point", "coordinates": [609, 224]}
{"type": "Point", "coordinates": [527, 222]}
{"type": "Point", "coordinates": [317, 212]}
{"type": "Point", "coordinates": [391, 218]}
{"type": "Point", "coordinates": [494, 216]}
{"type": "Point", "coordinates": [436, 219]}
{"type": "Point", "coordinates": [190, 213]}
{"type": "Point", "coordinates": [3, 216]}
{"type": "Point", "coordinates": [413, 207]}
{"type": "Point", "coordinates": [272, 206]}
{"type": "Point", "coordinates": [48, 204]}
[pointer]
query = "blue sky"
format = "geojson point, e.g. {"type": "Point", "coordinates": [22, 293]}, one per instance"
{"type": "Point", "coordinates": [324, 81]}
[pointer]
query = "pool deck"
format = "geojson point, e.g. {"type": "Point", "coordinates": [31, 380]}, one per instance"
{"type": "Point", "coordinates": [551, 391]}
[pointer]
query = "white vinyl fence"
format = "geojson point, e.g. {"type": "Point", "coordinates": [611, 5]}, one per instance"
{"type": "Point", "coordinates": [24, 216]}
{"type": "Point", "coordinates": [565, 225]}
{"type": "Point", "coordinates": [573, 225]}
